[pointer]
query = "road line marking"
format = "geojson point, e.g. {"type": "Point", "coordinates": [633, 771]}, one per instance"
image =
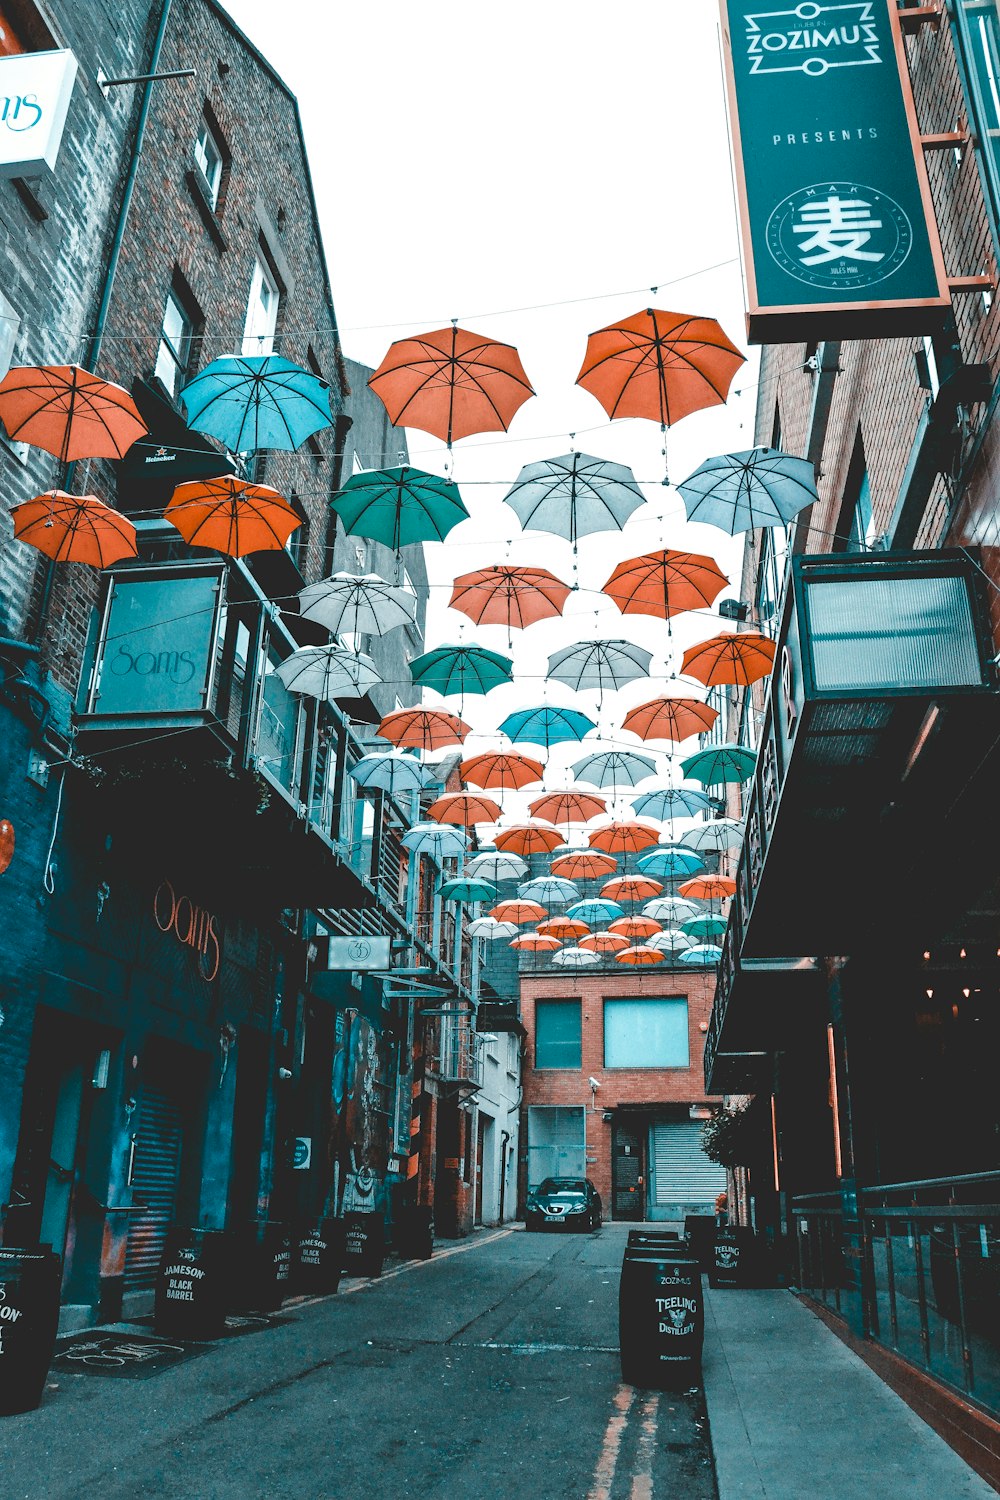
{"type": "Point", "coordinates": [642, 1480]}
{"type": "Point", "coordinates": [414, 1265]}
{"type": "Point", "coordinates": [607, 1461]}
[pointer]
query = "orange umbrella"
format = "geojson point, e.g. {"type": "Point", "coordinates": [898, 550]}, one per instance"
{"type": "Point", "coordinates": [563, 927]}
{"type": "Point", "coordinates": [464, 808]}
{"type": "Point", "coordinates": [624, 838]}
{"type": "Point", "coordinates": [451, 383]}
{"type": "Point", "coordinates": [670, 718]}
{"type": "Point", "coordinates": [519, 912]}
{"type": "Point", "coordinates": [583, 864]}
{"type": "Point", "coordinates": [69, 412]}
{"type": "Point", "coordinates": [423, 728]}
{"type": "Point", "coordinates": [505, 770]}
{"type": "Point", "coordinates": [504, 595]}
{"type": "Point", "coordinates": [640, 957]}
{"type": "Point", "coordinates": [528, 838]}
{"type": "Point", "coordinates": [739, 659]}
{"type": "Point", "coordinates": [660, 365]}
{"type": "Point", "coordinates": [631, 888]}
{"type": "Point", "coordinates": [232, 516]}
{"type": "Point", "coordinates": [708, 887]}
{"type": "Point", "coordinates": [665, 583]}
{"type": "Point", "coordinates": [74, 528]}
{"type": "Point", "coordinates": [568, 807]}
{"type": "Point", "coordinates": [634, 927]}
{"type": "Point", "coordinates": [536, 942]}
{"type": "Point", "coordinates": [604, 942]}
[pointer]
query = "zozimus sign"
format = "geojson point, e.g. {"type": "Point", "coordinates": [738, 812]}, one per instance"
{"type": "Point", "coordinates": [839, 235]}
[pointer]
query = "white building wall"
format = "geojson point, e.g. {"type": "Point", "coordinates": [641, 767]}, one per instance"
{"type": "Point", "coordinates": [498, 1103]}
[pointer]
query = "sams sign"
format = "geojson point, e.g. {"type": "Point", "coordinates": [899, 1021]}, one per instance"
{"type": "Point", "coordinates": [35, 90]}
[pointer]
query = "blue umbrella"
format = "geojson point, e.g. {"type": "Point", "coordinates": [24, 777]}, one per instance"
{"type": "Point", "coordinates": [720, 763]}
{"type": "Point", "coordinates": [670, 861]}
{"type": "Point", "coordinates": [745, 491]}
{"type": "Point", "coordinates": [671, 802]}
{"type": "Point", "coordinates": [574, 495]}
{"type": "Point", "coordinates": [595, 911]}
{"type": "Point", "coordinates": [257, 401]}
{"type": "Point", "coordinates": [702, 956]}
{"type": "Point", "coordinates": [439, 840]}
{"type": "Point", "coordinates": [614, 768]}
{"type": "Point", "coordinates": [548, 890]}
{"type": "Point", "coordinates": [546, 725]}
{"type": "Point", "coordinates": [468, 891]}
{"type": "Point", "coordinates": [392, 772]}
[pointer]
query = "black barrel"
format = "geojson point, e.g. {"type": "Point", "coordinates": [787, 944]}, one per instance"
{"type": "Point", "coordinates": [192, 1285]}
{"type": "Point", "coordinates": [319, 1253]}
{"type": "Point", "coordinates": [364, 1244]}
{"type": "Point", "coordinates": [661, 1320]}
{"type": "Point", "coordinates": [699, 1231]}
{"type": "Point", "coordinates": [664, 1239]}
{"type": "Point", "coordinates": [414, 1231]}
{"type": "Point", "coordinates": [734, 1257]}
{"type": "Point", "coordinates": [262, 1267]}
{"type": "Point", "coordinates": [30, 1284]}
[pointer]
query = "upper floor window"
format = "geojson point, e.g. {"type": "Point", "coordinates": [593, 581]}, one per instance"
{"type": "Point", "coordinates": [645, 1033]}
{"type": "Point", "coordinates": [862, 532]}
{"type": "Point", "coordinates": [558, 1040]}
{"type": "Point", "coordinates": [209, 159]}
{"type": "Point", "coordinates": [262, 310]}
{"type": "Point", "coordinates": [978, 27]}
{"type": "Point", "coordinates": [173, 357]}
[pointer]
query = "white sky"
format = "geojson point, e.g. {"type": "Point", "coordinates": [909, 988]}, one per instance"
{"type": "Point", "coordinates": [470, 159]}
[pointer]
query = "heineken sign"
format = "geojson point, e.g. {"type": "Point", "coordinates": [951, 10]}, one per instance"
{"type": "Point", "coordinates": [838, 227]}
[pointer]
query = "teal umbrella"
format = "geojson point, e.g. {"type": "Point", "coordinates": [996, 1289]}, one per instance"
{"type": "Point", "coordinates": [469, 891]}
{"type": "Point", "coordinates": [702, 956]}
{"type": "Point", "coordinates": [720, 763]}
{"type": "Point", "coordinates": [671, 802]}
{"type": "Point", "coordinates": [546, 725]}
{"type": "Point", "coordinates": [257, 401]}
{"type": "Point", "coordinates": [461, 670]}
{"type": "Point", "coordinates": [704, 925]}
{"type": "Point", "coordinates": [400, 506]}
{"type": "Point", "coordinates": [595, 911]}
{"type": "Point", "coordinates": [670, 861]}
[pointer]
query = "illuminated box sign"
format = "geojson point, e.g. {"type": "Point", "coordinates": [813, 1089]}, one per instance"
{"type": "Point", "coordinates": [35, 90]}
{"type": "Point", "coordinates": [838, 226]}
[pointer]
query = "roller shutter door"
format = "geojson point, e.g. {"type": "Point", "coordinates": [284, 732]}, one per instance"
{"type": "Point", "coordinates": [683, 1177]}
{"type": "Point", "coordinates": [156, 1169]}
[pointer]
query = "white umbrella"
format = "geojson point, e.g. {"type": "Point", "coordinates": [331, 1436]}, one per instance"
{"type": "Point", "coordinates": [328, 672]}
{"type": "Point", "coordinates": [392, 771]}
{"type": "Point", "coordinates": [490, 928]}
{"type": "Point", "coordinates": [670, 909]}
{"type": "Point", "coordinates": [494, 865]}
{"type": "Point", "coordinates": [575, 958]}
{"type": "Point", "coordinates": [549, 890]}
{"type": "Point", "coordinates": [357, 604]}
{"type": "Point", "coordinates": [724, 833]}
{"type": "Point", "coordinates": [670, 941]}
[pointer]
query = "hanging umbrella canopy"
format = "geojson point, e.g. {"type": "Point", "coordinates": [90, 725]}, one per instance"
{"type": "Point", "coordinates": [451, 383]}
{"type": "Point", "coordinates": [670, 861]}
{"type": "Point", "coordinates": [391, 771]}
{"type": "Point", "coordinates": [659, 365]}
{"type": "Point", "coordinates": [423, 728]}
{"type": "Point", "coordinates": [604, 942]}
{"type": "Point", "coordinates": [74, 528]}
{"type": "Point", "coordinates": [670, 941]}
{"type": "Point", "coordinates": [595, 912]}
{"type": "Point", "coordinates": [705, 925]}
{"type": "Point", "coordinates": [328, 672]}
{"type": "Point", "coordinates": [528, 838]}
{"type": "Point", "coordinates": [722, 834]}
{"type": "Point", "coordinates": [439, 840]}
{"type": "Point", "coordinates": [231, 516]}
{"type": "Point", "coordinates": [574, 495]}
{"type": "Point", "coordinates": [490, 929]}
{"type": "Point", "coordinates": [469, 892]}
{"type": "Point", "coordinates": [640, 957]}
{"type": "Point", "coordinates": [709, 887]}
{"type": "Point", "coordinates": [465, 809]}
{"type": "Point", "coordinates": [635, 928]}
{"type": "Point", "coordinates": [536, 942]}
{"type": "Point", "coordinates": [665, 583]}
{"type": "Point", "coordinates": [670, 909]}
{"type": "Point", "coordinates": [599, 666]}
{"type": "Point", "coordinates": [738, 659]}
{"type": "Point", "coordinates": [257, 401]}
{"type": "Point", "coordinates": [563, 928]}
{"type": "Point", "coordinates": [671, 802]}
{"type": "Point", "coordinates": [515, 597]}
{"type": "Point", "coordinates": [720, 764]}
{"type": "Point", "coordinates": [745, 491]}
{"type": "Point", "coordinates": [624, 837]}
{"type": "Point", "coordinates": [576, 958]}
{"type": "Point", "coordinates": [551, 890]}
{"type": "Point", "coordinates": [583, 864]}
{"type": "Point", "coordinates": [358, 604]}
{"type": "Point", "coordinates": [546, 725]}
{"type": "Point", "coordinates": [495, 865]}
{"type": "Point", "coordinates": [631, 888]}
{"type": "Point", "coordinates": [702, 956]}
{"type": "Point", "coordinates": [502, 771]}
{"type": "Point", "coordinates": [519, 912]}
{"type": "Point", "coordinates": [670, 718]}
{"type": "Point", "coordinates": [461, 670]}
{"type": "Point", "coordinates": [69, 412]}
{"type": "Point", "coordinates": [400, 506]}
{"type": "Point", "coordinates": [568, 807]}
{"type": "Point", "coordinates": [614, 768]}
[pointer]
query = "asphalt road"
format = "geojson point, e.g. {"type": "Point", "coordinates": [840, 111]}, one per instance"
{"type": "Point", "coordinates": [488, 1371]}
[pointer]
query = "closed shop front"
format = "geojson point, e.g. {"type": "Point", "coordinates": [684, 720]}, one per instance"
{"type": "Point", "coordinates": [556, 1146]}
{"type": "Point", "coordinates": [682, 1179]}
{"type": "Point", "coordinates": [157, 1149]}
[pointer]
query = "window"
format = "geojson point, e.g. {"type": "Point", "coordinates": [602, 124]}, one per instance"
{"type": "Point", "coordinates": [771, 572]}
{"type": "Point", "coordinates": [557, 1034]}
{"type": "Point", "coordinates": [978, 28]}
{"type": "Point", "coordinates": [209, 159]}
{"type": "Point", "coordinates": [856, 524]}
{"type": "Point", "coordinates": [262, 310]}
{"type": "Point", "coordinates": [646, 1033]}
{"type": "Point", "coordinates": [174, 353]}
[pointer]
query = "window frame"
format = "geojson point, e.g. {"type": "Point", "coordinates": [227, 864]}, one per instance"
{"type": "Point", "coordinates": [262, 275]}
{"type": "Point", "coordinates": [567, 1002]}
{"type": "Point", "coordinates": [675, 1001]}
{"type": "Point", "coordinates": [211, 184]}
{"type": "Point", "coordinates": [967, 56]}
{"type": "Point", "coordinates": [180, 358]}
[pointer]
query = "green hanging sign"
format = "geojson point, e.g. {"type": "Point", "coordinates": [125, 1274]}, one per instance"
{"type": "Point", "coordinates": [838, 226]}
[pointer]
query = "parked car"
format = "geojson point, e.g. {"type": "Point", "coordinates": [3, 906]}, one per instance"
{"type": "Point", "coordinates": [567, 1202]}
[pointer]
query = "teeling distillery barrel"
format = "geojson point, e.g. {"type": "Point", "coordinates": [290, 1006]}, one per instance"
{"type": "Point", "coordinates": [318, 1258]}
{"type": "Point", "coordinates": [364, 1244]}
{"type": "Point", "coordinates": [192, 1284]}
{"type": "Point", "coordinates": [30, 1284]}
{"type": "Point", "coordinates": [661, 1319]}
{"type": "Point", "coordinates": [655, 1239]}
{"type": "Point", "coordinates": [699, 1231]}
{"type": "Point", "coordinates": [733, 1260]}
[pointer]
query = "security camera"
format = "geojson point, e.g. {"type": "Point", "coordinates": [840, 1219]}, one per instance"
{"type": "Point", "coordinates": [593, 1084]}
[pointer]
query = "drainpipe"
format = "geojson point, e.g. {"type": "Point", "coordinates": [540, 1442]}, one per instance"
{"type": "Point", "coordinates": [504, 1138]}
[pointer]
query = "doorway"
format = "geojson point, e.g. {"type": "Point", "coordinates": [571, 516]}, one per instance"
{"type": "Point", "coordinates": [627, 1195]}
